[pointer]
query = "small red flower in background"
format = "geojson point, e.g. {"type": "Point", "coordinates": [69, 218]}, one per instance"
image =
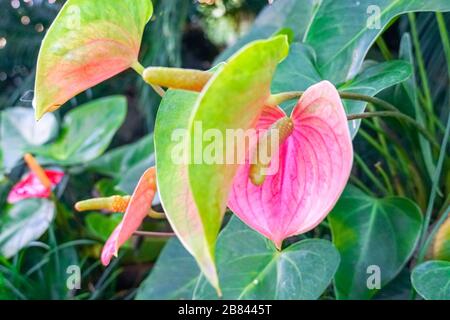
{"type": "Point", "coordinates": [38, 183]}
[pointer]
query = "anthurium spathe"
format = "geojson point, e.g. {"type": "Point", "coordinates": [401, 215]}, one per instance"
{"type": "Point", "coordinates": [138, 208]}
{"type": "Point", "coordinates": [37, 183]}
{"type": "Point", "coordinates": [88, 42]}
{"type": "Point", "coordinates": [315, 157]}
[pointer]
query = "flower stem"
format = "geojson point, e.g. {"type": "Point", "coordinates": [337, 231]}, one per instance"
{"type": "Point", "coordinates": [139, 68]}
{"type": "Point", "coordinates": [153, 234]}
{"type": "Point", "coordinates": [398, 115]}
{"type": "Point", "coordinates": [276, 99]}
{"type": "Point", "coordinates": [392, 111]}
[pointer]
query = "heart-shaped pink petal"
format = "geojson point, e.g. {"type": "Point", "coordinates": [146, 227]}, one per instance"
{"type": "Point", "coordinates": [138, 208]}
{"type": "Point", "coordinates": [314, 165]}
{"type": "Point", "coordinates": [31, 187]}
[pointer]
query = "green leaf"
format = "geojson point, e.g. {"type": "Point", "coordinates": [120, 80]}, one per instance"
{"type": "Point", "coordinates": [87, 43]}
{"type": "Point", "coordinates": [5, 291]}
{"type": "Point", "coordinates": [441, 243]}
{"type": "Point", "coordinates": [232, 99]}
{"type": "Point", "coordinates": [372, 232]}
{"type": "Point", "coordinates": [129, 181]}
{"type": "Point", "coordinates": [101, 226]}
{"type": "Point", "coordinates": [250, 267]}
{"type": "Point", "coordinates": [341, 44]}
{"type": "Point", "coordinates": [86, 132]}
{"type": "Point", "coordinates": [432, 280]}
{"type": "Point", "coordinates": [398, 289]}
{"type": "Point", "coordinates": [371, 81]}
{"type": "Point", "coordinates": [282, 14]}
{"type": "Point", "coordinates": [107, 187]}
{"type": "Point", "coordinates": [117, 162]}
{"type": "Point", "coordinates": [127, 163]}
{"type": "Point", "coordinates": [406, 98]}
{"type": "Point", "coordinates": [19, 131]}
{"type": "Point", "coordinates": [24, 222]}
{"type": "Point", "coordinates": [298, 72]}
{"type": "Point", "coordinates": [342, 33]}
{"type": "Point", "coordinates": [173, 185]}
{"type": "Point", "coordinates": [173, 277]}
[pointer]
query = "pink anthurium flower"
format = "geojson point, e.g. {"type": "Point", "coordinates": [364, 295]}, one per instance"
{"type": "Point", "coordinates": [37, 183]}
{"type": "Point", "coordinates": [138, 208]}
{"type": "Point", "coordinates": [315, 158]}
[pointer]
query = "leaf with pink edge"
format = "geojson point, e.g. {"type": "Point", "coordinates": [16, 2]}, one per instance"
{"type": "Point", "coordinates": [88, 42]}
{"type": "Point", "coordinates": [193, 195]}
{"type": "Point", "coordinates": [137, 210]}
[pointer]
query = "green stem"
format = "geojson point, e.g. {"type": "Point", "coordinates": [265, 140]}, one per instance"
{"type": "Point", "coordinates": [397, 115]}
{"type": "Point", "coordinates": [369, 173]}
{"type": "Point", "coordinates": [373, 143]}
{"type": "Point", "coordinates": [153, 234]}
{"type": "Point", "coordinates": [425, 241]}
{"type": "Point", "coordinates": [422, 70]}
{"type": "Point", "coordinates": [385, 177]}
{"type": "Point", "coordinates": [139, 68]}
{"type": "Point", "coordinates": [383, 152]}
{"type": "Point", "coordinates": [383, 143]}
{"type": "Point", "coordinates": [361, 185]}
{"type": "Point", "coordinates": [279, 98]}
{"type": "Point", "coordinates": [445, 38]}
{"type": "Point", "coordinates": [384, 48]}
{"type": "Point", "coordinates": [435, 186]}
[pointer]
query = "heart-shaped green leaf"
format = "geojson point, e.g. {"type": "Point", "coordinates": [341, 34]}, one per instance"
{"type": "Point", "coordinates": [342, 43]}
{"type": "Point", "coordinates": [117, 162]}
{"type": "Point", "coordinates": [432, 280]}
{"type": "Point", "coordinates": [101, 226]}
{"type": "Point", "coordinates": [297, 72]}
{"type": "Point", "coordinates": [174, 276]}
{"type": "Point", "coordinates": [24, 222]}
{"type": "Point", "coordinates": [127, 163]}
{"type": "Point", "coordinates": [371, 81]}
{"type": "Point", "coordinates": [86, 132]}
{"type": "Point", "coordinates": [250, 267]}
{"type": "Point", "coordinates": [19, 131]}
{"type": "Point", "coordinates": [88, 42]}
{"type": "Point", "coordinates": [194, 196]}
{"type": "Point", "coordinates": [375, 237]}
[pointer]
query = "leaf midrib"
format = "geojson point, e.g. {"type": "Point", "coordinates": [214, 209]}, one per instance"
{"type": "Point", "coordinates": [251, 285]}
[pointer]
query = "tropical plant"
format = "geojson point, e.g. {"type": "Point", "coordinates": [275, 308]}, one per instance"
{"type": "Point", "coordinates": [341, 191]}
